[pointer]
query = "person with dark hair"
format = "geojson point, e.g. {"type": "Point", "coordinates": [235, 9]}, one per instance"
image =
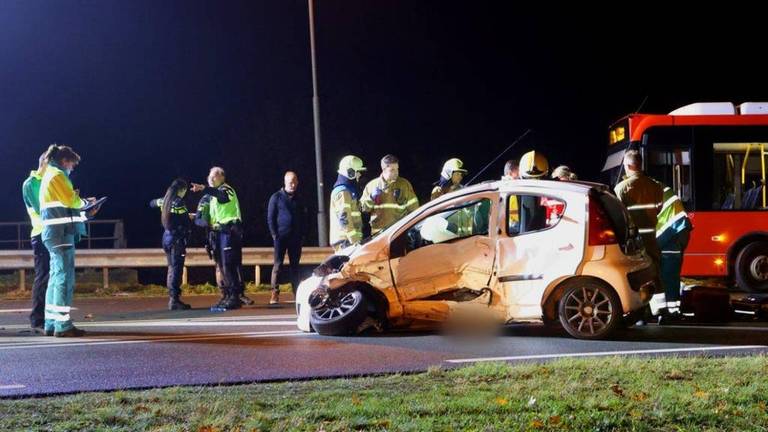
{"type": "Point", "coordinates": [389, 197]}
{"type": "Point", "coordinates": [176, 223]}
{"type": "Point", "coordinates": [286, 216]}
{"type": "Point", "coordinates": [63, 225]}
{"type": "Point", "coordinates": [451, 175]}
{"type": "Point", "coordinates": [31, 195]}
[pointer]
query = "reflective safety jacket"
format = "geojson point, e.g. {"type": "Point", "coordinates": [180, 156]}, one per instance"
{"type": "Point", "coordinates": [438, 191]}
{"type": "Point", "coordinates": [672, 219]}
{"type": "Point", "coordinates": [643, 197]}
{"type": "Point", "coordinates": [60, 206]}
{"type": "Point", "coordinates": [31, 193]}
{"type": "Point", "coordinates": [224, 208]}
{"type": "Point", "coordinates": [388, 202]}
{"type": "Point", "coordinates": [345, 216]}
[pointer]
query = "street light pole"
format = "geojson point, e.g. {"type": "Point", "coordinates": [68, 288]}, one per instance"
{"type": "Point", "coordinates": [322, 220]}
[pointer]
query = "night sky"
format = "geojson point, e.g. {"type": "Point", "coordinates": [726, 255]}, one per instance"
{"type": "Point", "coordinates": [149, 90]}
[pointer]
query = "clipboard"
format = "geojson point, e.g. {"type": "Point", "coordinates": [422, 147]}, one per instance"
{"type": "Point", "coordinates": [94, 205]}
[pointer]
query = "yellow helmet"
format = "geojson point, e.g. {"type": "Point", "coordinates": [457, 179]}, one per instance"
{"type": "Point", "coordinates": [533, 165]}
{"type": "Point", "coordinates": [451, 166]}
{"type": "Point", "coordinates": [351, 166]}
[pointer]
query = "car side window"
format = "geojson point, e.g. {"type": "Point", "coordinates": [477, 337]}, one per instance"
{"type": "Point", "coordinates": [530, 213]}
{"type": "Point", "coordinates": [468, 220]}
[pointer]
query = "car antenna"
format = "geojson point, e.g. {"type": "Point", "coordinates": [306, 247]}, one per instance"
{"type": "Point", "coordinates": [498, 156]}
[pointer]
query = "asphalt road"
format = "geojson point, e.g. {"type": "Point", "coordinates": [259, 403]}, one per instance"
{"type": "Point", "coordinates": [135, 343]}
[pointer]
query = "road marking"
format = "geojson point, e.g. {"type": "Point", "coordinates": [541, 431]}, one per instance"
{"type": "Point", "coordinates": [608, 353]}
{"type": "Point", "coordinates": [20, 310]}
{"type": "Point", "coordinates": [251, 320]}
{"type": "Point", "coordinates": [12, 386]}
{"type": "Point", "coordinates": [133, 340]}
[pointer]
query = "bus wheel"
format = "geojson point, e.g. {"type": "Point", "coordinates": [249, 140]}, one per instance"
{"type": "Point", "coordinates": [752, 267]}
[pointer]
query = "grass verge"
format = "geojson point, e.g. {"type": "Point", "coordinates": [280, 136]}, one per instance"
{"type": "Point", "coordinates": [605, 394]}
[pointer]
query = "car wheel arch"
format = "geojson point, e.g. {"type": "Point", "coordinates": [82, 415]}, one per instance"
{"type": "Point", "coordinates": [553, 294]}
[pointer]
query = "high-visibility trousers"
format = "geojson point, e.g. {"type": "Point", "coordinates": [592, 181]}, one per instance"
{"type": "Point", "coordinates": [61, 283]}
{"type": "Point", "coordinates": [671, 263]}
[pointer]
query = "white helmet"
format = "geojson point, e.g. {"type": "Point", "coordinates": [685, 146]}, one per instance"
{"type": "Point", "coordinates": [351, 166]}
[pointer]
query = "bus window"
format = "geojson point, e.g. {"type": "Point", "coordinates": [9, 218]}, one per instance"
{"type": "Point", "coordinates": [730, 167]}
{"type": "Point", "coordinates": [739, 176]}
{"type": "Point", "coordinates": [667, 154]}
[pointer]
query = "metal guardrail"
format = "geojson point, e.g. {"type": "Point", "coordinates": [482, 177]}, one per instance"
{"type": "Point", "coordinates": [105, 259]}
{"type": "Point", "coordinates": [22, 234]}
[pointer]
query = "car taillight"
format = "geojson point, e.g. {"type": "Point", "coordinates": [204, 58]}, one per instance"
{"type": "Point", "coordinates": [600, 229]}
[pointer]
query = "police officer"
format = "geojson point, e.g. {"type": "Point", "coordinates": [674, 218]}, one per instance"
{"type": "Point", "coordinates": [226, 220]}
{"type": "Point", "coordinates": [451, 175]}
{"type": "Point", "coordinates": [176, 222]}
{"type": "Point", "coordinates": [31, 194]}
{"type": "Point", "coordinates": [389, 197]}
{"type": "Point", "coordinates": [203, 220]}
{"type": "Point", "coordinates": [345, 216]}
{"type": "Point", "coordinates": [63, 225]}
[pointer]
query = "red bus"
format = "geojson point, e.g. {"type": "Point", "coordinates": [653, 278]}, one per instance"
{"type": "Point", "coordinates": [713, 156]}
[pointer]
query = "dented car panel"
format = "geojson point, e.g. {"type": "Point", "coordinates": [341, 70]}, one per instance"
{"type": "Point", "coordinates": [498, 250]}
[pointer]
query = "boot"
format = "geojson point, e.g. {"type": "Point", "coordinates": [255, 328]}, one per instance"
{"type": "Point", "coordinates": [275, 299]}
{"type": "Point", "coordinates": [216, 307]}
{"type": "Point", "coordinates": [245, 300]}
{"type": "Point", "coordinates": [232, 302]}
{"type": "Point", "coordinates": [175, 303]}
{"type": "Point", "coordinates": [73, 332]}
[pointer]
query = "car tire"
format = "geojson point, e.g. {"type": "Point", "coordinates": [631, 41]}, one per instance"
{"type": "Point", "coordinates": [751, 267]}
{"type": "Point", "coordinates": [341, 317]}
{"type": "Point", "coordinates": [589, 309]}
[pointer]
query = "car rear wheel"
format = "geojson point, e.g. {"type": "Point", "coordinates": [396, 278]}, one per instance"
{"type": "Point", "coordinates": [341, 315]}
{"type": "Point", "coordinates": [752, 267]}
{"type": "Point", "coordinates": [589, 309]}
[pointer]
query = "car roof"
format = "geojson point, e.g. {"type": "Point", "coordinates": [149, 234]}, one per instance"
{"type": "Point", "coordinates": [507, 185]}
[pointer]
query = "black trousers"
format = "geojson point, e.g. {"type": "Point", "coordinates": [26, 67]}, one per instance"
{"type": "Point", "coordinates": [175, 252]}
{"type": "Point", "coordinates": [231, 260]}
{"type": "Point", "coordinates": [293, 247]}
{"type": "Point", "coordinates": [42, 268]}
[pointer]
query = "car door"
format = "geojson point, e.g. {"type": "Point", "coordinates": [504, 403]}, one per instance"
{"type": "Point", "coordinates": [448, 249]}
{"type": "Point", "coordinates": [543, 241]}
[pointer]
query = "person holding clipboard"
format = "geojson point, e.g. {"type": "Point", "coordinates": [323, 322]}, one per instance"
{"type": "Point", "coordinates": [63, 215]}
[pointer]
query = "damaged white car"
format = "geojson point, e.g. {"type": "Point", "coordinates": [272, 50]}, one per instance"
{"type": "Point", "coordinates": [504, 251]}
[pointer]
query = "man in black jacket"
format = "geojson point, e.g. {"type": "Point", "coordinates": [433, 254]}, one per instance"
{"type": "Point", "coordinates": [286, 216]}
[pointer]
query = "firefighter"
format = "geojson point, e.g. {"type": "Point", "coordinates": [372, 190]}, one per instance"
{"type": "Point", "coordinates": [533, 212]}
{"type": "Point", "coordinates": [389, 197]}
{"type": "Point", "coordinates": [642, 196]}
{"type": "Point", "coordinates": [63, 225]}
{"type": "Point", "coordinates": [31, 195]}
{"type": "Point", "coordinates": [673, 228]}
{"type": "Point", "coordinates": [176, 223]}
{"type": "Point", "coordinates": [451, 175]}
{"type": "Point", "coordinates": [345, 216]}
{"type": "Point", "coordinates": [226, 220]}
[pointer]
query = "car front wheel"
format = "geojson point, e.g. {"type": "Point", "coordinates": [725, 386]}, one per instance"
{"type": "Point", "coordinates": [589, 309]}
{"type": "Point", "coordinates": [341, 315]}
